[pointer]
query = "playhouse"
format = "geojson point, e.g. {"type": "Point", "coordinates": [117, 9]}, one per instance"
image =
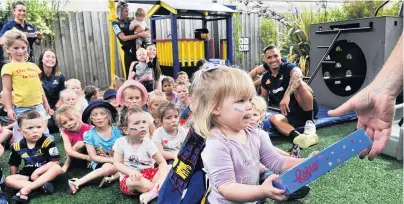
{"type": "Point", "coordinates": [182, 54]}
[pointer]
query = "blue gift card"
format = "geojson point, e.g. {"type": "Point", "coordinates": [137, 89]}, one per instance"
{"type": "Point", "coordinates": [323, 162]}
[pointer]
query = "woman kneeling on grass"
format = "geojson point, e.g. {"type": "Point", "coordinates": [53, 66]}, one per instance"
{"type": "Point", "coordinates": [135, 156]}
{"type": "Point", "coordinates": [99, 141]}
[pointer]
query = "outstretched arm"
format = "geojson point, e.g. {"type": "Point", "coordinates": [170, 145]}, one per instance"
{"type": "Point", "coordinates": [256, 71]}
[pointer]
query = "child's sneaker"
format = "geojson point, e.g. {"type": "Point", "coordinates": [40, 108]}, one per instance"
{"type": "Point", "coordinates": [309, 137]}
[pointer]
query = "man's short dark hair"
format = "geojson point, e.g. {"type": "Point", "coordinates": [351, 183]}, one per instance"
{"type": "Point", "coordinates": [28, 115]}
{"type": "Point", "coordinates": [269, 47]}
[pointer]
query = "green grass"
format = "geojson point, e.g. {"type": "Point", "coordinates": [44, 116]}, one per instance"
{"type": "Point", "coordinates": [357, 181]}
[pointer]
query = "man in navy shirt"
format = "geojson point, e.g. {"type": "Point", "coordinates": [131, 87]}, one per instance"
{"type": "Point", "coordinates": [283, 85]}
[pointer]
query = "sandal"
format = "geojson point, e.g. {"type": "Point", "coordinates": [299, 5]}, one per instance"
{"type": "Point", "coordinates": [48, 188]}
{"type": "Point", "coordinates": [105, 180]}
{"type": "Point", "coordinates": [17, 198]}
{"type": "Point", "coordinates": [73, 186]}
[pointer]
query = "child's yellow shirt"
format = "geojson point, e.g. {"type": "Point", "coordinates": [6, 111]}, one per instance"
{"type": "Point", "coordinates": [26, 84]}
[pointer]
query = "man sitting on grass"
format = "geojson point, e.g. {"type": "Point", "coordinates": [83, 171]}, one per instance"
{"type": "Point", "coordinates": [40, 155]}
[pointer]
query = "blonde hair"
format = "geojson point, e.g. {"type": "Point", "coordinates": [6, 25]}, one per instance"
{"type": "Point", "coordinates": [210, 88]}
{"type": "Point", "coordinates": [140, 51]}
{"type": "Point", "coordinates": [66, 110]}
{"type": "Point", "coordinates": [154, 96]}
{"type": "Point", "coordinates": [140, 12]}
{"type": "Point", "coordinates": [10, 37]}
{"type": "Point", "coordinates": [259, 104]}
{"type": "Point", "coordinates": [73, 81]}
{"type": "Point", "coordinates": [67, 92]}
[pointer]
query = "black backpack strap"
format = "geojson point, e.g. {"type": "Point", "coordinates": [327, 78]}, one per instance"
{"type": "Point", "coordinates": [401, 122]}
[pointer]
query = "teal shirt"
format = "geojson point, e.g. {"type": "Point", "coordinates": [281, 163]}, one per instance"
{"type": "Point", "coordinates": [101, 145]}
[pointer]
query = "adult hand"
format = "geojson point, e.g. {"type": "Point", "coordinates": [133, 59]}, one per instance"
{"type": "Point", "coordinates": [144, 34]}
{"type": "Point", "coordinates": [270, 191]}
{"type": "Point", "coordinates": [146, 77]}
{"type": "Point", "coordinates": [284, 104]}
{"type": "Point", "coordinates": [39, 35]}
{"type": "Point", "coordinates": [132, 75]}
{"type": "Point", "coordinates": [375, 109]}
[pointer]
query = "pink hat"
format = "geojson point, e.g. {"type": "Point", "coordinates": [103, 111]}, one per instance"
{"type": "Point", "coordinates": [131, 82]}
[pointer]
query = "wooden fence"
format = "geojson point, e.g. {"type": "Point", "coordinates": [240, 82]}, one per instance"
{"type": "Point", "coordinates": [82, 44]}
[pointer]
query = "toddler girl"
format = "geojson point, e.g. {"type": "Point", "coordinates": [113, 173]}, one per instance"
{"type": "Point", "coordinates": [75, 85]}
{"type": "Point", "coordinates": [68, 98]}
{"type": "Point", "coordinates": [22, 78]}
{"type": "Point", "coordinates": [69, 120]}
{"type": "Point", "coordinates": [132, 94]}
{"type": "Point", "coordinates": [222, 113]}
{"type": "Point", "coordinates": [135, 157]}
{"type": "Point", "coordinates": [167, 86]}
{"type": "Point", "coordinates": [170, 136]}
{"type": "Point", "coordinates": [99, 141]}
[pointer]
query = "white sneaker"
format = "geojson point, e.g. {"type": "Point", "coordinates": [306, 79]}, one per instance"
{"type": "Point", "coordinates": [308, 138]}
{"type": "Point", "coordinates": [309, 128]}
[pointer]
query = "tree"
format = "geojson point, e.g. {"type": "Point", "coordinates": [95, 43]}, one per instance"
{"type": "Point", "coordinates": [268, 31]}
{"type": "Point", "coordinates": [363, 9]}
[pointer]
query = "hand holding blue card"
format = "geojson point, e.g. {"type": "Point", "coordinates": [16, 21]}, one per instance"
{"type": "Point", "coordinates": [316, 166]}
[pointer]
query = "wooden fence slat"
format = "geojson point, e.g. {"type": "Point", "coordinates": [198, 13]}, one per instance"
{"type": "Point", "coordinates": [73, 44]}
{"type": "Point", "coordinates": [88, 31]}
{"type": "Point", "coordinates": [80, 47]}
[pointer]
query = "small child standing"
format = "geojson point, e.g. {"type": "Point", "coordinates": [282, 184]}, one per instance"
{"type": "Point", "coordinates": [234, 150]}
{"type": "Point", "coordinates": [135, 156]}
{"type": "Point", "coordinates": [73, 129]}
{"type": "Point", "coordinates": [99, 141]}
{"type": "Point", "coordinates": [75, 85]}
{"type": "Point", "coordinates": [183, 94]}
{"type": "Point", "coordinates": [40, 155]}
{"type": "Point", "coordinates": [139, 25]}
{"type": "Point", "coordinates": [22, 78]}
{"type": "Point", "coordinates": [142, 70]}
{"type": "Point", "coordinates": [167, 86]}
{"type": "Point", "coordinates": [170, 136]}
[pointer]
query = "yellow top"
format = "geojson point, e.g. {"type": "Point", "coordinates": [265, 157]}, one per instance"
{"type": "Point", "coordinates": [26, 84]}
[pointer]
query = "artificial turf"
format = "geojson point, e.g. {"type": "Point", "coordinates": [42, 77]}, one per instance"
{"type": "Point", "coordinates": [357, 181]}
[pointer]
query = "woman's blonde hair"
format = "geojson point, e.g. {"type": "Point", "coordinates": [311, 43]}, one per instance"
{"type": "Point", "coordinates": [10, 37]}
{"type": "Point", "coordinates": [260, 105]}
{"type": "Point", "coordinates": [66, 110]}
{"type": "Point", "coordinates": [210, 88]}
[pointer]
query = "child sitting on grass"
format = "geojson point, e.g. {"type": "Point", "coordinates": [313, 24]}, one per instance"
{"type": "Point", "coordinates": [183, 94]}
{"type": "Point", "coordinates": [135, 157]}
{"type": "Point", "coordinates": [90, 93]}
{"type": "Point", "coordinates": [40, 155]}
{"type": "Point", "coordinates": [170, 136]}
{"type": "Point", "coordinates": [75, 85]}
{"type": "Point", "coordinates": [133, 94]}
{"type": "Point", "coordinates": [167, 86]}
{"type": "Point", "coordinates": [73, 129]}
{"type": "Point", "coordinates": [99, 141]}
{"type": "Point", "coordinates": [155, 99]}
{"type": "Point", "coordinates": [69, 98]}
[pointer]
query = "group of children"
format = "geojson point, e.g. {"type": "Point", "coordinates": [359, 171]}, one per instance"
{"type": "Point", "coordinates": [134, 135]}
